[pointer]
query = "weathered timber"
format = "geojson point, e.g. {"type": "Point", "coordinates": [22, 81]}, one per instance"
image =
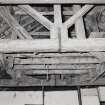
{"type": "Point", "coordinates": [57, 67]}
{"type": "Point", "coordinates": [28, 45]}
{"type": "Point", "coordinates": [83, 45]}
{"type": "Point", "coordinates": [78, 15]}
{"type": "Point", "coordinates": [52, 2]}
{"type": "Point", "coordinates": [79, 25]}
{"type": "Point", "coordinates": [48, 13]}
{"type": "Point", "coordinates": [99, 55]}
{"type": "Point", "coordinates": [52, 45]}
{"type": "Point", "coordinates": [40, 33]}
{"type": "Point", "coordinates": [37, 16]}
{"type": "Point", "coordinates": [43, 72]}
{"type": "Point", "coordinates": [20, 31]}
{"type": "Point", "coordinates": [64, 60]}
{"type": "Point", "coordinates": [4, 28]}
{"type": "Point", "coordinates": [102, 71]}
{"type": "Point", "coordinates": [57, 23]}
{"type": "Point", "coordinates": [47, 55]}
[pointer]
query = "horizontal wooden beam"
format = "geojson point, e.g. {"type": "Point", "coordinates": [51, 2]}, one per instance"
{"type": "Point", "coordinates": [57, 67]}
{"type": "Point", "coordinates": [43, 45]}
{"type": "Point", "coordinates": [40, 33]}
{"type": "Point", "coordinates": [47, 13]}
{"type": "Point", "coordinates": [52, 1]}
{"type": "Point", "coordinates": [83, 45]}
{"type": "Point", "coordinates": [45, 72]}
{"type": "Point", "coordinates": [49, 55]}
{"type": "Point", "coordinates": [63, 60]}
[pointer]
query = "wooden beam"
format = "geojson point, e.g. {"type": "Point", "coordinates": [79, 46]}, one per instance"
{"type": "Point", "coordinates": [102, 71]}
{"type": "Point", "coordinates": [91, 44]}
{"type": "Point", "coordinates": [49, 55]}
{"type": "Point", "coordinates": [79, 25]}
{"type": "Point", "coordinates": [40, 33]}
{"type": "Point", "coordinates": [37, 16]}
{"type": "Point", "coordinates": [20, 31]}
{"type": "Point", "coordinates": [57, 67]}
{"type": "Point", "coordinates": [48, 13]}
{"type": "Point", "coordinates": [52, 2]}
{"type": "Point", "coordinates": [63, 60]}
{"type": "Point", "coordinates": [99, 55]}
{"type": "Point", "coordinates": [56, 32]}
{"type": "Point", "coordinates": [85, 45]}
{"type": "Point", "coordinates": [2, 62]}
{"type": "Point", "coordinates": [77, 15]}
{"type": "Point", "coordinates": [57, 15]}
{"type": "Point", "coordinates": [28, 45]}
{"type": "Point", "coordinates": [44, 72]}
{"type": "Point", "coordinates": [4, 28]}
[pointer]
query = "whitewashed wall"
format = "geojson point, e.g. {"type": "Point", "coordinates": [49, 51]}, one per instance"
{"type": "Point", "coordinates": [20, 98]}
{"type": "Point", "coordinates": [89, 97]}
{"type": "Point", "coordinates": [61, 98]}
{"type": "Point", "coordinates": [102, 93]}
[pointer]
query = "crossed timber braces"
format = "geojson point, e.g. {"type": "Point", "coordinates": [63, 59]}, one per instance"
{"type": "Point", "coordinates": [59, 40]}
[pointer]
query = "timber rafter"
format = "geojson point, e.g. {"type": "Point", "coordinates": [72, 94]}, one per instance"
{"type": "Point", "coordinates": [56, 58]}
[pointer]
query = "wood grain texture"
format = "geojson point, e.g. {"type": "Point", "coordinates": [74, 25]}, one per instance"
{"type": "Point", "coordinates": [51, 1]}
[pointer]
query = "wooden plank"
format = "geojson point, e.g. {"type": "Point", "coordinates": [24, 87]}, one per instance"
{"type": "Point", "coordinates": [85, 45]}
{"type": "Point", "coordinates": [44, 72]}
{"type": "Point", "coordinates": [79, 25]}
{"type": "Point", "coordinates": [40, 33]}
{"type": "Point", "coordinates": [57, 23]}
{"type": "Point", "coordinates": [50, 54]}
{"type": "Point", "coordinates": [52, 45]}
{"type": "Point", "coordinates": [68, 60]}
{"type": "Point", "coordinates": [77, 15]}
{"type": "Point", "coordinates": [48, 13]}
{"type": "Point", "coordinates": [102, 71]}
{"type": "Point", "coordinates": [99, 55]}
{"type": "Point", "coordinates": [57, 15]}
{"type": "Point", "coordinates": [20, 31]}
{"type": "Point", "coordinates": [52, 1]}
{"type": "Point", "coordinates": [57, 67]}
{"type": "Point", "coordinates": [2, 62]}
{"type": "Point", "coordinates": [28, 45]}
{"type": "Point", "coordinates": [37, 16]}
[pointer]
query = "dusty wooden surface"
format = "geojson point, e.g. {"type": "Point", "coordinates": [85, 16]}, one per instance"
{"type": "Point", "coordinates": [39, 45]}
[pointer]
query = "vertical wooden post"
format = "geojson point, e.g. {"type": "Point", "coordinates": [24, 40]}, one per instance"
{"type": "Point", "coordinates": [64, 33]}
{"type": "Point", "coordinates": [56, 29]}
{"type": "Point", "coordinates": [79, 25]}
{"type": "Point", "coordinates": [79, 95]}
